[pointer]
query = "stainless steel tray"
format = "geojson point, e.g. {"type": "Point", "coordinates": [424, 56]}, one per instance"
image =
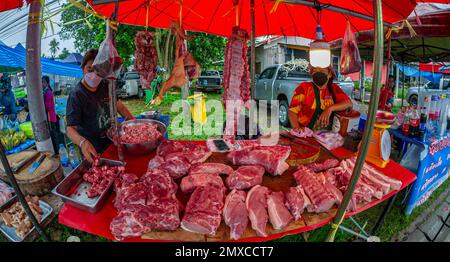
{"type": "Point", "coordinates": [72, 190]}
{"type": "Point", "coordinates": [10, 232]}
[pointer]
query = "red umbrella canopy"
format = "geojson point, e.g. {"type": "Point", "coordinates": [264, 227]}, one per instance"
{"type": "Point", "coordinates": [6, 5]}
{"type": "Point", "coordinates": [219, 16]}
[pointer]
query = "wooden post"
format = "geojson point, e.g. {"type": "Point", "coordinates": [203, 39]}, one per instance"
{"type": "Point", "coordinates": [34, 83]}
{"type": "Point", "coordinates": [367, 135]}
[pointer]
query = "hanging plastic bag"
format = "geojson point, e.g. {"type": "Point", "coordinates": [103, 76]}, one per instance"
{"type": "Point", "coordinates": [350, 58]}
{"type": "Point", "coordinates": [107, 63]}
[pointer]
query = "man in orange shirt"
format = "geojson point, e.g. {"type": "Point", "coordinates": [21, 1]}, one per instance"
{"type": "Point", "coordinates": [314, 102]}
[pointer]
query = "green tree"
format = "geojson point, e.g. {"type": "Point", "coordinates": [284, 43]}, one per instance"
{"type": "Point", "coordinates": [207, 49]}
{"type": "Point", "coordinates": [64, 54]}
{"type": "Point", "coordinates": [89, 31]}
{"type": "Point", "coordinates": [54, 47]}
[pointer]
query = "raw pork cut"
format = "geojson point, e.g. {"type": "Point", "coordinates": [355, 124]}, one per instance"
{"type": "Point", "coordinates": [211, 168]}
{"type": "Point", "coordinates": [297, 201]}
{"type": "Point", "coordinates": [176, 165]}
{"type": "Point", "coordinates": [279, 215]}
{"type": "Point", "coordinates": [185, 66]}
{"type": "Point", "coordinates": [145, 204]}
{"type": "Point", "coordinates": [272, 158]}
{"type": "Point", "coordinates": [101, 178]}
{"type": "Point", "coordinates": [256, 204]}
{"type": "Point", "coordinates": [204, 210]}
{"type": "Point", "coordinates": [321, 198]}
{"type": "Point", "coordinates": [235, 213]}
{"type": "Point", "coordinates": [194, 153]}
{"type": "Point", "coordinates": [140, 133]}
{"type": "Point", "coordinates": [191, 182]}
{"type": "Point", "coordinates": [245, 177]}
{"type": "Point", "coordinates": [325, 165]}
{"type": "Point", "coordinates": [236, 80]}
{"type": "Point", "coordinates": [145, 58]}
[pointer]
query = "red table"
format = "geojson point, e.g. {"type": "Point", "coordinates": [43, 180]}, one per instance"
{"type": "Point", "coordinates": [98, 224]}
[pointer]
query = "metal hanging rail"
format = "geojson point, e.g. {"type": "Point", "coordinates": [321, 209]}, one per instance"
{"type": "Point", "coordinates": [330, 7]}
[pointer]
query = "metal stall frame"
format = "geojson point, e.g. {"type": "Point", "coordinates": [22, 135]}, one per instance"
{"type": "Point", "coordinates": [373, 105]}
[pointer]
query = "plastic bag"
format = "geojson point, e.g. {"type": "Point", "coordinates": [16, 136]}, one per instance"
{"type": "Point", "coordinates": [350, 58]}
{"type": "Point", "coordinates": [107, 63]}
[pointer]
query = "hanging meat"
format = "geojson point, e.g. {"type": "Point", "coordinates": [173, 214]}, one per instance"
{"type": "Point", "coordinates": [185, 64]}
{"type": "Point", "coordinates": [146, 57]}
{"type": "Point", "coordinates": [236, 80]}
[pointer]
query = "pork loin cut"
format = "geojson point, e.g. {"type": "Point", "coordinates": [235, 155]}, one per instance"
{"type": "Point", "coordinates": [279, 215]}
{"type": "Point", "coordinates": [235, 213]}
{"type": "Point", "coordinates": [191, 182]}
{"type": "Point", "coordinates": [211, 168]}
{"type": "Point", "coordinates": [256, 204]}
{"type": "Point", "coordinates": [321, 198]}
{"type": "Point", "coordinates": [296, 201]}
{"type": "Point", "coordinates": [323, 166]}
{"type": "Point", "coordinates": [272, 158]}
{"type": "Point", "coordinates": [192, 152]}
{"type": "Point", "coordinates": [204, 210]}
{"type": "Point", "coordinates": [245, 177]}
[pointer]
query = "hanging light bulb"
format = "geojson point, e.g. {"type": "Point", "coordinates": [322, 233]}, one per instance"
{"type": "Point", "coordinates": [319, 51]}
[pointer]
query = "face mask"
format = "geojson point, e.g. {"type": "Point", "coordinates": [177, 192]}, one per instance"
{"type": "Point", "coordinates": [92, 79]}
{"type": "Point", "coordinates": [320, 78]}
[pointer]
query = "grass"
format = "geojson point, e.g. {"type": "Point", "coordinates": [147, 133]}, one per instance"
{"type": "Point", "coordinates": [395, 221]}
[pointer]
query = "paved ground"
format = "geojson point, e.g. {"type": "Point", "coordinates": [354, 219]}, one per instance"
{"type": "Point", "coordinates": [433, 226]}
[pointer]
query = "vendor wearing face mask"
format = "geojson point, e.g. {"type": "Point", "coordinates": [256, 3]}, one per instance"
{"type": "Point", "coordinates": [88, 116]}
{"type": "Point", "coordinates": [314, 102]}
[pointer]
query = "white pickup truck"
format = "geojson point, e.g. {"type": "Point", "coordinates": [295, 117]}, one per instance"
{"type": "Point", "coordinates": [276, 83]}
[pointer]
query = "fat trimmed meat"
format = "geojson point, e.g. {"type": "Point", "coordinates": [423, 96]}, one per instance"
{"type": "Point", "coordinates": [325, 165]}
{"type": "Point", "coordinates": [279, 215]}
{"type": "Point", "coordinates": [320, 196]}
{"type": "Point", "coordinates": [203, 212]}
{"type": "Point", "coordinates": [191, 182]}
{"type": "Point", "coordinates": [296, 201]}
{"type": "Point", "coordinates": [272, 158]}
{"type": "Point", "coordinates": [245, 177]}
{"type": "Point", "coordinates": [235, 213]}
{"type": "Point", "coordinates": [211, 168]}
{"type": "Point", "coordinates": [256, 204]}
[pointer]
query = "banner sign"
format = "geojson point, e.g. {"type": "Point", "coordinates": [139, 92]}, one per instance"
{"type": "Point", "coordinates": [433, 170]}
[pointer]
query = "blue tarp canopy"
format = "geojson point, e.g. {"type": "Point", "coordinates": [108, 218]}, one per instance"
{"type": "Point", "coordinates": [74, 58]}
{"type": "Point", "coordinates": [412, 71]}
{"type": "Point", "coordinates": [15, 57]}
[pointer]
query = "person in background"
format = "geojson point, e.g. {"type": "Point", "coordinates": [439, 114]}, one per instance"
{"type": "Point", "coordinates": [386, 100]}
{"type": "Point", "coordinates": [49, 103]}
{"type": "Point", "coordinates": [87, 114]}
{"type": "Point", "coordinates": [313, 103]}
{"type": "Point", "coordinates": [7, 98]}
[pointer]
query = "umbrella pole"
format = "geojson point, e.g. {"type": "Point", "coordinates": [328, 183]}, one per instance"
{"type": "Point", "coordinates": [376, 82]}
{"type": "Point", "coordinates": [113, 94]}
{"type": "Point", "coordinates": [403, 80]}
{"type": "Point", "coordinates": [252, 50]}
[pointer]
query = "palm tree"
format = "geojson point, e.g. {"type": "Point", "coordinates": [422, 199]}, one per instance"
{"type": "Point", "coordinates": [54, 47]}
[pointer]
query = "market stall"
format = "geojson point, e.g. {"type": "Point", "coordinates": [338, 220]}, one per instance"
{"type": "Point", "coordinates": [99, 223]}
{"type": "Point", "coordinates": [380, 184]}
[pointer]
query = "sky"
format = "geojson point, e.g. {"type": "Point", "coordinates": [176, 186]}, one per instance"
{"type": "Point", "coordinates": [17, 32]}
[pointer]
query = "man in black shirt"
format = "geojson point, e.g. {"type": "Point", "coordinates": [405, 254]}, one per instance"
{"type": "Point", "coordinates": [88, 116]}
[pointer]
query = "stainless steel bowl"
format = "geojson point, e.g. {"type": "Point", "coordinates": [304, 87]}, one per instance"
{"type": "Point", "coordinates": [140, 148]}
